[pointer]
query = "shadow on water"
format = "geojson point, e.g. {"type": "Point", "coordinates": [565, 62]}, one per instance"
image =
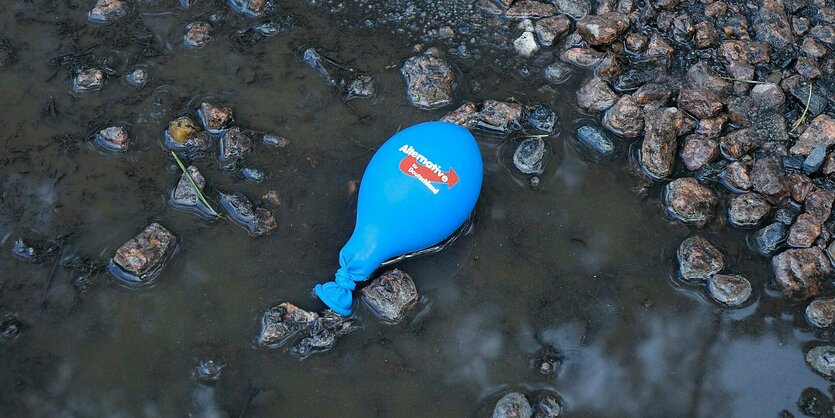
{"type": "Point", "coordinates": [581, 264]}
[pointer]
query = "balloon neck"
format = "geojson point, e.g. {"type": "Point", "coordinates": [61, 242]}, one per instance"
{"type": "Point", "coordinates": [338, 293]}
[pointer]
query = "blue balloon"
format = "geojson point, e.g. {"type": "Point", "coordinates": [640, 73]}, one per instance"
{"type": "Point", "coordinates": [419, 188]}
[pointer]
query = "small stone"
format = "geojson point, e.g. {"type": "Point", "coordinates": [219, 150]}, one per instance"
{"type": "Point", "coordinates": [658, 149]}
{"type": "Point", "coordinates": [208, 370]}
{"type": "Point", "coordinates": [824, 34]}
{"type": "Point", "coordinates": [360, 87]}
{"type": "Point", "coordinates": [500, 117]}
{"type": "Point", "coordinates": [33, 248]}
{"type": "Point", "coordinates": [144, 255]}
{"type": "Point", "coordinates": [274, 140]}
{"type": "Point", "coordinates": [322, 335]}
{"type": "Point", "coordinates": [138, 77]}
{"type": "Point", "coordinates": [738, 143]}
{"type": "Point", "coordinates": [181, 129]}
{"type": "Point", "coordinates": [767, 96]}
{"type": "Point", "coordinates": [820, 132]}
{"type": "Point", "coordinates": [184, 193]}
{"type": "Point", "coordinates": [89, 80]}
{"type": "Point", "coordinates": [541, 118]}
{"type": "Point", "coordinates": [653, 95]}
{"type": "Point", "coordinates": [770, 238]}
{"type": "Point", "coordinates": [603, 29]}
{"type": "Point", "coordinates": [234, 146]}
{"type": "Point", "coordinates": [516, 405]}
{"type": "Point", "coordinates": [529, 156]}
{"type": "Point", "coordinates": [272, 197]}
{"type": "Point", "coordinates": [547, 405]}
{"type": "Point", "coordinates": [716, 9]}
{"type": "Point", "coordinates": [706, 35]}
{"type": "Point", "coordinates": [828, 167]}
{"type": "Point", "coordinates": [822, 360]}
{"type": "Point", "coordinates": [390, 296]}
{"type": "Point", "coordinates": [812, 48]}
{"type": "Point", "coordinates": [729, 289]}
{"type": "Point", "coordinates": [596, 140]}
{"type": "Point", "coordinates": [689, 201]}
{"type": "Point", "coordinates": [282, 322]}
{"type": "Point", "coordinates": [576, 9]}
{"type": "Point", "coordinates": [253, 174]}
{"type": "Point", "coordinates": [737, 177]}
{"type": "Point", "coordinates": [808, 68]}
{"type": "Point", "coordinates": [798, 272]}
{"type": "Point", "coordinates": [10, 329]}
{"type": "Point", "coordinates": [107, 11]}
{"type": "Point", "coordinates": [768, 178]}
{"type": "Point", "coordinates": [430, 81]}
{"type": "Point", "coordinates": [466, 116]}
{"type": "Point", "coordinates": [658, 47]}
{"type": "Point", "coordinates": [814, 160]}
{"type": "Point", "coordinates": [551, 28]}
{"type": "Point", "coordinates": [804, 231]}
{"type": "Point", "coordinates": [772, 25]}
{"type": "Point", "coordinates": [609, 68]}
{"type": "Point", "coordinates": [635, 42]}
{"type": "Point", "coordinates": [198, 35]}
{"type": "Point", "coordinates": [698, 259]}
{"type": "Point", "coordinates": [799, 186]}
{"type": "Point", "coordinates": [818, 203]}
{"type": "Point", "coordinates": [596, 95]}
{"type": "Point", "coordinates": [557, 73]}
{"type": "Point", "coordinates": [698, 151]}
{"type": "Point", "coordinates": [525, 45]}
{"type": "Point", "coordinates": [702, 76]}
{"type": "Point", "coordinates": [530, 9]}
{"type": "Point", "coordinates": [251, 8]}
{"type": "Point", "coordinates": [114, 138]}
{"type": "Point", "coordinates": [625, 118]}
{"type": "Point", "coordinates": [257, 221]}
{"type": "Point", "coordinates": [821, 312]}
{"type": "Point", "coordinates": [747, 210]}
{"type": "Point", "coordinates": [751, 52]}
{"type": "Point", "coordinates": [582, 57]}
{"type": "Point", "coordinates": [215, 119]}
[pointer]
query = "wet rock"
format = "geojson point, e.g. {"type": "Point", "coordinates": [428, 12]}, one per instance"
{"type": "Point", "coordinates": [729, 289]}
{"type": "Point", "coordinates": [582, 57]}
{"type": "Point", "coordinates": [596, 95]}
{"type": "Point", "coordinates": [808, 68]}
{"type": "Point", "coordinates": [658, 149]}
{"type": "Point", "coordinates": [813, 162]}
{"type": "Point", "coordinates": [547, 360]}
{"type": "Point", "coordinates": [804, 231]}
{"type": "Point", "coordinates": [603, 29]}
{"type": "Point", "coordinates": [282, 322]}
{"type": "Point", "coordinates": [84, 272]}
{"type": "Point", "coordinates": [89, 80]}
{"type": "Point", "coordinates": [390, 296]}
{"type": "Point", "coordinates": [360, 87]}
{"type": "Point", "coordinates": [253, 174]}
{"type": "Point", "coordinates": [138, 77]}
{"type": "Point", "coordinates": [312, 58]}
{"type": "Point", "coordinates": [770, 238]}
{"type": "Point", "coordinates": [798, 272]}
{"type": "Point", "coordinates": [576, 9]}
{"type": "Point", "coordinates": [689, 201]}
{"type": "Point", "coordinates": [234, 145]}
{"type": "Point", "coordinates": [821, 312]}
{"type": "Point", "coordinates": [738, 143]}
{"type": "Point", "coordinates": [768, 178]}
{"type": "Point", "coordinates": [257, 221]}
{"type": "Point", "coordinates": [658, 47]}
{"type": "Point", "coordinates": [530, 155]}
{"type": "Point", "coordinates": [215, 119]}
{"type": "Point", "coordinates": [33, 248]}
{"type": "Point", "coordinates": [499, 117]}
{"type": "Point", "coordinates": [465, 115]}
{"type": "Point", "coordinates": [625, 118]}
{"type": "Point", "coordinates": [322, 335]}
{"type": "Point", "coordinates": [184, 194]}
{"type": "Point", "coordinates": [107, 11]}
{"type": "Point", "coordinates": [541, 118]}
{"type": "Point", "coordinates": [516, 405]}
{"type": "Point", "coordinates": [821, 131]}
{"type": "Point", "coordinates": [547, 405]}
{"type": "Point", "coordinates": [551, 29]}
{"type": "Point", "coordinates": [181, 129]}
{"type": "Point", "coordinates": [747, 209]}
{"type": "Point", "coordinates": [772, 25]}
{"type": "Point", "coordinates": [698, 259]}
{"type": "Point", "coordinates": [812, 48]}
{"type": "Point", "coordinates": [596, 140]}
{"type": "Point", "coordinates": [430, 81]}
{"type": "Point", "coordinates": [208, 370]}
{"type": "Point", "coordinates": [716, 9]}
{"type": "Point", "coordinates": [747, 51]}
{"type": "Point", "coordinates": [198, 35]}
{"type": "Point", "coordinates": [706, 35]}
{"type": "Point", "coordinates": [274, 140]}
{"type": "Point", "coordinates": [682, 122]}
{"type": "Point", "coordinates": [698, 151]}
{"type": "Point", "coordinates": [767, 96]}
{"type": "Point", "coordinates": [702, 76]}
{"type": "Point", "coordinates": [799, 186]}
{"type": "Point", "coordinates": [251, 8]}
{"type": "Point", "coordinates": [609, 68]}
{"type": "Point", "coordinates": [557, 73]}
{"type": "Point", "coordinates": [10, 329]}
{"type": "Point", "coordinates": [530, 9]}
{"type": "Point", "coordinates": [525, 45]}
{"type": "Point", "coordinates": [819, 204]}
{"type": "Point", "coordinates": [737, 177]}
{"type": "Point", "coordinates": [635, 42]}
{"type": "Point", "coordinates": [144, 255]}
{"type": "Point", "coordinates": [822, 360]}
{"type": "Point", "coordinates": [654, 95]}
{"type": "Point", "coordinates": [824, 34]}
{"type": "Point", "coordinates": [113, 138]}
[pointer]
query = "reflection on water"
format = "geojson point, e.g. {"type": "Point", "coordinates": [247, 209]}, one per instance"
{"type": "Point", "coordinates": [581, 264]}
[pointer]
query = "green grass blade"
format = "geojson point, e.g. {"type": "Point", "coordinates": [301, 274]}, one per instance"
{"type": "Point", "coordinates": [805, 111]}
{"type": "Point", "coordinates": [193, 184]}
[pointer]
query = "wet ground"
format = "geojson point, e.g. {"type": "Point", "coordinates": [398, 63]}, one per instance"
{"type": "Point", "coordinates": [583, 264]}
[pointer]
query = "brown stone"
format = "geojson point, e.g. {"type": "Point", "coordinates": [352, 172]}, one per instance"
{"type": "Point", "coordinates": [625, 118]}
{"type": "Point", "coordinates": [699, 102]}
{"type": "Point", "coordinates": [804, 231]}
{"type": "Point", "coordinates": [769, 179]}
{"type": "Point", "coordinates": [772, 25]}
{"type": "Point", "coordinates": [530, 9]}
{"type": "Point", "coordinates": [551, 28]}
{"type": "Point", "coordinates": [145, 253]}
{"type": "Point", "coordinates": [214, 117]}
{"type": "Point", "coordinates": [747, 209]}
{"type": "Point", "coordinates": [737, 176]}
{"type": "Point", "coordinates": [824, 34]}
{"type": "Point", "coordinates": [808, 68]}
{"type": "Point", "coordinates": [700, 75]}
{"type": "Point", "coordinates": [821, 312]}
{"type": "Point", "coordinates": [798, 272]}
{"type": "Point", "coordinates": [114, 138]}
{"type": "Point", "coordinates": [820, 132]}
{"type": "Point", "coordinates": [712, 127]}
{"type": "Point", "coordinates": [658, 149]}
{"type": "Point", "coordinates": [603, 29]}
{"type": "Point", "coordinates": [828, 164]}
{"type": "Point", "coordinates": [106, 11]}
{"type": "Point", "coordinates": [697, 150]}
{"type": "Point", "coordinates": [609, 68]}
{"type": "Point", "coordinates": [812, 48]}
{"type": "Point", "coordinates": [582, 57]}
{"type": "Point", "coordinates": [635, 42]}
{"type": "Point", "coordinates": [198, 34]}
{"type": "Point", "coordinates": [715, 9]}
{"type": "Point", "coordinates": [706, 35]}
{"type": "Point", "coordinates": [819, 204]}
{"type": "Point", "coordinates": [657, 94]}
{"type": "Point", "coordinates": [698, 259]}
{"type": "Point", "coordinates": [465, 115]}
{"type": "Point", "coordinates": [596, 95]}
{"type": "Point", "coordinates": [659, 47]}
{"type": "Point", "coordinates": [751, 52]}
{"type": "Point", "coordinates": [689, 201]}
{"type": "Point", "coordinates": [184, 193]}
{"type": "Point", "coordinates": [430, 81]}
{"type": "Point", "coordinates": [738, 143]}
{"type": "Point", "coordinates": [799, 186]}
{"type": "Point", "coordinates": [767, 96]}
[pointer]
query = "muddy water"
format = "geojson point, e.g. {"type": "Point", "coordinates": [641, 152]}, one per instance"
{"type": "Point", "coordinates": [584, 263]}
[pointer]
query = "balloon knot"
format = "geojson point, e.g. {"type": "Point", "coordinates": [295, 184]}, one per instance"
{"type": "Point", "coordinates": [344, 280]}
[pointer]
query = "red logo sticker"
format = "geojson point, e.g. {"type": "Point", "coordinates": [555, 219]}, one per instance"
{"type": "Point", "coordinates": [414, 164]}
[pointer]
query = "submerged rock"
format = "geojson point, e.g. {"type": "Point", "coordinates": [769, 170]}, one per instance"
{"type": "Point", "coordinates": [525, 45]}
{"type": "Point", "coordinates": [529, 157]}
{"type": "Point", "coordinates": [747, 210]}
{"type": "Point", "coordinates": [557, 73]}
{"type": "Point", "coordinates": [274, 140]}
{"type": "Point", "coordinates": [596, 140]}
{"type": "Point", "coordinates": [258, 221]}
{"type": "Point", "coordinates": [282, 322]}
{"type": "Point", "coordinates": [541, 118]}
{"type": "Point", "coordinates": [114, 138]}
{"type": "Point", "coordinates": [698, 259]}
{"type": "Point", "coordinates": [251, 8]}
{"type": "Point", "coordinates": [658, 149]}
{"type": "Point", "coordinates": [430, 81]}
{"type": "Point", "coordinates": [10, 329]}
{"type": "Point", "coordinates": [513, 405]}
{"type": "Point", "coordinates": [577, 9]}
{"type": "Point", "coordinates": [198, 35]}
{"type": "Point", "coordinates": [253, 174]}
{"type": "Point", "coordinates": [596, 95]}
{"type": "Point", "coordinates": [821, 312]}
{"type": "Point", "coordinates": [89, 80]}
{"type": "Point", "coordinates": [322, 335]}
{"type": "Point", "coordinates": [33, 248]}
{"type": "Point", "coordinates": [822, 360]}
{"type": "Point", "coordinates": [770, 238]}
{"type": "Point", "coordinates": [181, 129]}
{"type": "Point", "coordinates": [689, 201]}
{"type": "Point", "coordinates": [234, 146]}
{"type": "Point", "coordinates": [551, 28]}
{"type": "Point", "coordinates": [108, 11]}
{"type": "Point", "coordinates": [500, 117]}
{"type": "Point", "coordinates": [798, 272]}
{"type": "Point", "coordinates": [729, 289]}
{"type": "Point", "coordinates": [184, 194]}
{"type": "Point", "coordinates": [359, 87]}
{"type": "Point", "coordinates": [390, 296]}
{"type": "Point", "coordinates": [547, 405]}
{"type": "Point", "coordinates": [138, 77]}
{"type": "Point", "coordinates": [215, 119]}
{"type": "Point", "coordinates": [141, 258]}
{"type": "Point", "coordinates": [208, 370]}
